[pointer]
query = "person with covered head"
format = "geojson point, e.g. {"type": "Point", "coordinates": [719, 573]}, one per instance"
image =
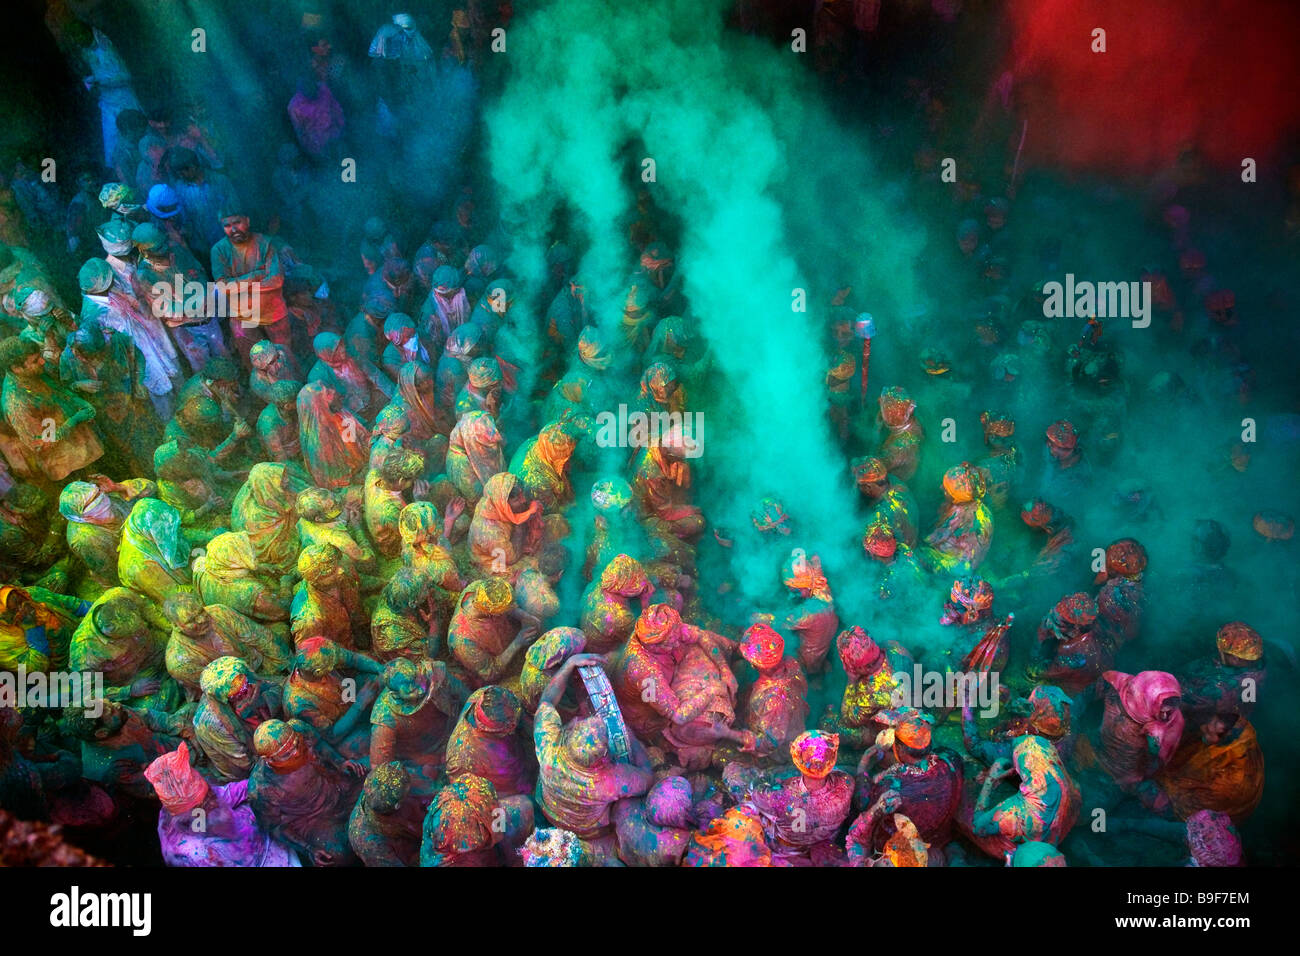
{"type": "Point", "coordinates": [506, 539]}
{"type": "Point", "coordinates": [475, 452]}
{"type": "Point", "coordinates": [900, 446]}
{"type": "Point", "coordinates": [487, 743]}
{"type": "Point", "coordinates": [228, 573]}
{"type": "Point", "coordinates": [95, 512]}
{"type": "Point", "coordinates": [328, 604]}
{"type": "Point", "coordinates": [580, 779]}
{"type": "Point", "coordinates": [463, 346]}
{"type": "Point", "coordinates": [644, 675]}
{"type": "Point", "coordinates": [1121, 600]}
{"type": "Point", "coordinates": [488, 631]}
{"type": "Point", "coordinates": [775, 706]}
{"type": "Point", "coordinates": [277, 424]}
{"type": "Point", "coordinates": [425, 548]}
{"type": "Point", "coordinates": [887, 496]}
{"type": "Point", "coordinates": [202, 633]}
{"type": "Point", "coordinates": [928, 781]}
{"type": "Point", "coordinates": [408, 620]}
{"type": "Point", "coordinates": [364, 336]}
{"type": "Point", "coordinates": [447, 307]}
{"type": "Point", "coordinates": [386, 487]}
{"type": "Point", "coordinates": [805, 810]}
{"type": "Point", "coordinates": [417, 404]}
{"type": "Point", "coordinates": [1141, 727]}
{"type": "Point", "coordinates": [208, 413]}
{"type": "Point", "coordinates": [1002, 461]}
{"type": "Point", "coordinates": [655, 830]}
{"type": "Point", "coordinates": [1044, 808]}
{"type": "Point", "coordinates": [414, 716]}
{"type": "Point", "coordinates": [230, 834]}
{"type": "Point", "coordinates": [608, 618]}
{"type": "Point", "coordinates": [36, 627]}
{"type": "Point", "coordinates": [124, 637]}
{"type": "Point", "coordinates": [1220, 768]}
{"type": "Point", "coordinates": [403, 345]}
{"type": "Point", "coordinates": [190, 482]}
{"type": "Point", "coordinates": [334, 441]}
{"type": "Point", "coordinates": [813, 619]}
{"type": "Point", "coordinates": [52, 424]}
{"type": "Point", "coordinates": [108, 369]}
{"type": "Point", "coordinates": [1219, 684]}
{"type": "Point", "coordinates": [662, 484]}
{"type": "Point", "coordinates": [314, 692]}
{"type": "Point", "coordinates": [303, 793]}
{"type": "Point", "coordinates": [386, 823]}
{"type": "Point", "coordinates": [362, 385]}
{"type": "Point", "coordinates": [964, 529]}
{"type": "Point", "coordinates": [265, 509]}
{"type": "Point", "coordinates": [1071, 652]}
{"type": "Point", "coordinates": [234, 704]}
{"type": "Point", "coordinates": [542, 464]}
{"type": "Point", "coordinates": [470, 824]}
{"type": "Point", "coordinates": [271, 364]}
{"type": "Point", "coordinates": [482, 389]}
{"type": "Point", "coordinates": [869, 693]}
{"type": "Point", "coordinates": [1049, 716]}
{"type": "Point", "coordinates": [109, 298]}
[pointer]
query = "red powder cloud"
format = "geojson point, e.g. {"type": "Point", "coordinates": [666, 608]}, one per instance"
{"type": "Point", "coordinates": [1216, 75]}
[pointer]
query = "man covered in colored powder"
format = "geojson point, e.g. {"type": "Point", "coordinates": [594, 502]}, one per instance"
{"type": "Point", "coordinates": [303, 792]}
{"type": "Point", "coordinates": [807, 811]}
{"type": "Point", "coordinates": [580, 780]}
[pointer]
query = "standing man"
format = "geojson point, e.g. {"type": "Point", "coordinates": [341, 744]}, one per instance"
{"type": "Point", "coordinates": [247, 256]}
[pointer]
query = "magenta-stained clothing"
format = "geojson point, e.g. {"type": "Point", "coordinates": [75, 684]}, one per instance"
{"type": "Point", "coordinates": [816, 624]}
{"type": "Point", "coordinates": [249, 846]}
{"type": "Point", "coordinates": [931, 795]}
{"type": "Point", "coordinates": [1131, 718]}
{"type": "Point", "coordinates": [806, 819]}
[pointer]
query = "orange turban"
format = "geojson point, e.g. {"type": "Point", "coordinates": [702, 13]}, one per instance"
{"type": "Point", "coordinates": [657, 624]}
{"type": "Point", "coordinates": [804, 574]}
{"type": "Point", "coordinates": [179, 786]}
{"type": "Point", "coordinates": [913, 732]}
{"type": "Point", "coordinates": [1240, 640]}
{"type": "Point", "coordinates": [814, 753]}
{"type": "Point", "coordinates": [905, 847]}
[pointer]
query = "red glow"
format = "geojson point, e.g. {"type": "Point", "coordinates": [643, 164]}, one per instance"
{"type": "Point", "coordinates": [1215, 75]}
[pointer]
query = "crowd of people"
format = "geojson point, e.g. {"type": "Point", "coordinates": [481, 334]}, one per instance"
{"type": "Point", "coordinates": [318, 551]}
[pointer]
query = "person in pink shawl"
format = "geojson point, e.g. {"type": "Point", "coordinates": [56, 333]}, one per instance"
{"type": "Point", "coordinates": [446, 309]}
{"type": "Point", "coordinates": [1140, 727]}
{"type": "Point", "coordinates": [474, 454]}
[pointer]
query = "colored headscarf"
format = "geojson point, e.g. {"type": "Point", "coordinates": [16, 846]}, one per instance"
{"type": "Point", "coordinates": [859, 654]}
{"type": "Point", "coordinates": [805, 576]}
{"type": "Point", "coordinates": [1240, 640]}
{"type": "Point", "coordinates": [1141, 696]}
{"type": "Point", "coordinates": [179, 786]}
{"type": "Point", "coordinates": [814, 753]}
{"type": "Point", "coordinates": [762, 646]}
{"type": "Point", "coordinates": [657, 624]}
